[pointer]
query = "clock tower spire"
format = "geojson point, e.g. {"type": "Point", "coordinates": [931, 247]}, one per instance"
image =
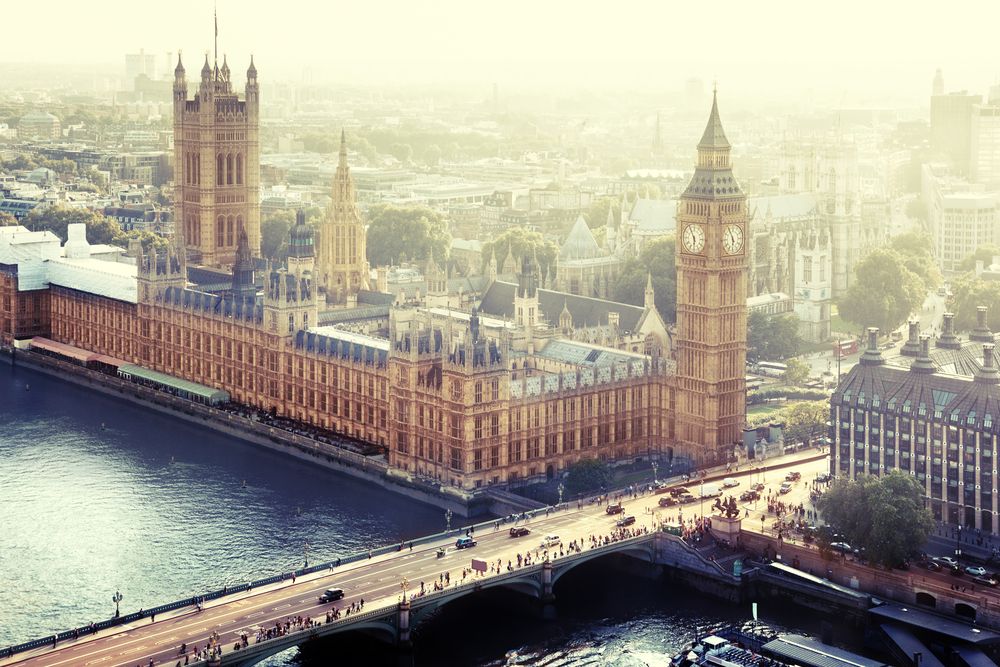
{"type": "Point", "coordinates": [711, 303]}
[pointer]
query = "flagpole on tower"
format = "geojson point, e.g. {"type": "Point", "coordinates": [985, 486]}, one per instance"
{"type": "Point", "coordinates": [216, 12]}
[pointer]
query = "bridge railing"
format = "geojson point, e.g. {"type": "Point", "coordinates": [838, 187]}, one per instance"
{"type": "Point", "coordinates": [298, 636]}
{"type": "Point", "coordinates": [283, 576]}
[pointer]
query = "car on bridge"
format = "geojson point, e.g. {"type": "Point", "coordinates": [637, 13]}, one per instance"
{"type": "Point", "coordinates": [976, 571]}
{"type": "Point", "coordinates": [823, 477]}
{"type": "Point", "coordinates": [730, 482]}
{"type": "Point", "coordinates": [666, 502]}
{"type": "Point", "coordinates": [465, 543]}
{"type": "Point", "coordinates": [793, 476]}
{"type": "Point", "coordinates": [946, 561]}
{"type": "Point", "coordinates": [550, 541]}
{"type": "Point", "coordinates": [686, 498]}
{"type": "Point", "coordinates": [986, 580]}
{"type": "Point", "coordinates": [614, 509]}
{"type": "Point", "coordinates": [841, 547]}
{"type": "Point", "coordinates": [785, 488]}
{"type": "Point", "coordinates": [519, 531]}
{"type": "Point", "coordinates": [331, 594]}
{"type": "Point", "coordinates": [748, 495]}
{"type": "Point", "coordinates": [625, 521]}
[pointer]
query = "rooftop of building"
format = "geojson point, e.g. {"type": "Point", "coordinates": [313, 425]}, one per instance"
{"type": "Point", "coordinates": [498, 301]}
{"type": "Point", "coordinates": [580, 243]}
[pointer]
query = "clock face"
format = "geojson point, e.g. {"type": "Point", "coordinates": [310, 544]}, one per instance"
{"type": "Point", "coordinates": [694, 238]}
{"type": "Point", "coordinates": [732, 239]}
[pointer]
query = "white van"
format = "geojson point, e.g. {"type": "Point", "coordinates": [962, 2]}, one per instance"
{"type": "Point", "coordinates": [709, 490]}
{"type": "Point", "coordinates": [550, 541]}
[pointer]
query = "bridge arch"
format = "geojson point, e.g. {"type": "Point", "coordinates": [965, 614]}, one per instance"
{"type": "Point", "coordinates": [965, 610]}
{"type": "Point", "coordinates": [926, 599]}
{"type": "Point", "coordinates": [643, 552]}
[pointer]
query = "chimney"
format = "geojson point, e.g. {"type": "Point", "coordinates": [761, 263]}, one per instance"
{"type": "Point", "coordinates": [988, 374]}
{"type": "Point", "coordinates": [923, 363]}
{"type": "Point", "coordinates": [911, 347]}
{"type": "Point", "coordinates": [981, 333]}
{"type": "Point", "coordinates": [872, 356]}
{"type": "Point", "coordinates": [948, 339]}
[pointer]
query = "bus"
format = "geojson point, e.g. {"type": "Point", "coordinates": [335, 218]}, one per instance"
{"type": "Point", "coordinates": [771, 368]}
{"type": "Point", "coordinates": [842, 348]}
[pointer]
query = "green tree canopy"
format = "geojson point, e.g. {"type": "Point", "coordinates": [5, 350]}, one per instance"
{"type": "Point", "coordinates": [772, 337]}
{"type": "Point", "coordinates": [885, 516]}
{"type": "Point", "coordinates": [917, 251]}
{"type": "Point", "coordinates": [57, 218]}
{"type": "Point", "coordinates": [411, 232]}
{"type": "Point", "coordinates": [147, 238]}
{"type": "Point", "coordinates": [656, 260]}
{"type": "Point", "coordinates": [587, 475]}
{"type": "Point", "coordinates": [984, 253]}
{"type": "Point", "coordinates": [969, 292]}
{"type": "Point", "coordinates": [274, 228]}
{"type": "Point", "coordinates": [806, 420]}
{"type": "Point", "coordinates": [884, 292]}
{"type": "Point", "coordinates": [597, 214]}
{"type": "Point", "coordinates": [6, 219]}
{"type": "Point", "coordinates": [796, 373]}
{"type": "Point", "coordinates": [521, 242]}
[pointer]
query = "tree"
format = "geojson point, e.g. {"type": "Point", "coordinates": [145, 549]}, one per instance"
{"type": "Point", "coordinates": [148, 239]}
{"type": "Point", "coordinates": [587, 475]}
{"type": "Point", "coordinates": [6, 219]}
{"type": "Point", "coordinates": [57, 218]}
{"type": "Point", "coordinates": [917, 251]}
{"type": "Point", "coordinates": [884, 516]}
{"type": "Point", "coordinates": [772, 337]}
{"type": "Point", "coordinates": [984, 254]}
{"type": "Point", "coordinates": [521, 242]}
{"type": "Point", "coordinates": [656, 260]}
{"type": "Point", "coordinates": [597, 214]}
{"type": "Point", "coordinates": [884, 292]}
{"type": "Point", "coordinates": [402, 152]}
{"type": "Point", "coordinates": [274, 228]}
{"type": "Point", "coordinates": [969, 292]}
{"type": "Point", "coordinates": [413, 232]}
{"type": "Point", "coordinates": [804, 421]}
{"type": "Point", "coordinates": [796, 373]}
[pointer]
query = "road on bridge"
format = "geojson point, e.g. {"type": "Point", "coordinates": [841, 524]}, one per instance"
{"type": "Point", "coordinates": [377, 581]}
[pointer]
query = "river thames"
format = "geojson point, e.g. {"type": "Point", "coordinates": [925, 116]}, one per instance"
{"type": "Point", "coordinates": [98, 495]}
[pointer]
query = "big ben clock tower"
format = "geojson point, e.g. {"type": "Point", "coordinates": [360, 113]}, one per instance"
{"type": "Point", "coordinates": [711, 303]}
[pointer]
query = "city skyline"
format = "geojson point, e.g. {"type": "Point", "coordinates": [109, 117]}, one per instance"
{"type": "Point", "coordinates": [776, 53]}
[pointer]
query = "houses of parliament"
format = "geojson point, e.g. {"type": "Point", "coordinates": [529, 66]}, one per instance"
{"type": "Point", "coordinates": [469, 398]}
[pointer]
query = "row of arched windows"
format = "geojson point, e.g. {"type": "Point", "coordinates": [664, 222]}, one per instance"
{"type": "Point", "coordinates": [192, 168]}
{"type": "Point", "coordinates": [192, 229]}
{"type": "Point", "coordinates": [229, 169]}
{"type": "Point", "coordinates": [225, 230]}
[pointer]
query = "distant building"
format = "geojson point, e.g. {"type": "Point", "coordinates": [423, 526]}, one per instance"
{"type": "Point", "coordinates": [139, 64]}
{"type": "Point", "coordinates": [951, 128]}
{"type": "Point", "coordinates": [39, 125]}
{"type": "Point", "coordinates": [984, 160]}
{"type": "Point", "coordinates": [961, 216]}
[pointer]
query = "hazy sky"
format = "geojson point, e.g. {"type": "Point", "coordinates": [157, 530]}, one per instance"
{"type": "Point", "coordinates": [764, 46]}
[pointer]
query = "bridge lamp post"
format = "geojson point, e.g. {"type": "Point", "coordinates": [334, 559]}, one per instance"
{"type": "Point", "coordinates": [305, 552]}
{"type": "Point", "coordinates": [447, 519]}
{"type": "Point", "coordinates": [655, 466]}
{"type": "Point", "coordinates": [116, 598]}
{"type": "Point", "coordinates": [958, 546]}
{"type": "Point", "coordinates": [404, 585]}
{"type": "Point", "coordinates": [701, 500]}
{"type": "Point", "coordinates": [562, 490]}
